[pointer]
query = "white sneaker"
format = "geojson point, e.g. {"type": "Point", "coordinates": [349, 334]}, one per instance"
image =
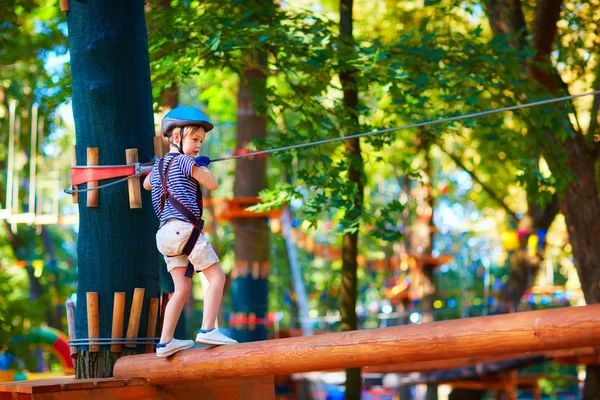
{"type": "Point", "coordinates": [173, 347]}
{"type": "Point", "coordinates": [213, 337]}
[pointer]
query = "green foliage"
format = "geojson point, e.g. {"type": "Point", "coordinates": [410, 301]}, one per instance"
{"type": "Point", "coordinates": [32, 36]}
{"type": "Point", "coordinates": [32, 71]}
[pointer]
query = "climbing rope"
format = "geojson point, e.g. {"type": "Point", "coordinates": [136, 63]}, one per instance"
{"type": "Point", "coordinates": [142, 170]}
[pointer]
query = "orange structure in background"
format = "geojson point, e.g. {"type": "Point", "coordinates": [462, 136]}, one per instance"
{"type": "Point", "coordinates": [230, 209]}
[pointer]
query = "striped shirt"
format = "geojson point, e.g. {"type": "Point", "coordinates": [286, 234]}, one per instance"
{"type": "Point", "coordinates": [181, 185]}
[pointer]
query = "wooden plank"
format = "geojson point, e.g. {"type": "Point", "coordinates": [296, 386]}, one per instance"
{"type": "Point", "coordinates": [92, 195]}
{"type": "Point", "coordinates": [482, 336]}
{"type": "Point", "coordinates": [134, 317]}
{"type": "Point", "coordinates": [118, 320]}
{"type": "Point", "coordinates": [64, 5]}
{"type": "Point", "coordinates": [70, 307]}
{"type": "Point", "coordinates": [93, 319]}
{"type": "Point", "coordinates": [112, 383]}
{"type": "Point", "coordinates": [152, 316]}
{"type": "Point", "coordinates": [252, 388]}
{"type": "Point", "coordinates": [163, 306]}
{"type": "Point", "coordinates": [133, 184]}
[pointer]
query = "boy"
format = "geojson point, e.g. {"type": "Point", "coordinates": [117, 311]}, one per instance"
{"type": "Point", "coordinates": [177, 200]}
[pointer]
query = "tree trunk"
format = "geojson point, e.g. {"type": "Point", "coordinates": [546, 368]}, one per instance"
{"type": "Point", "coordinates": [250, 290]}
{"type": "Point", "coordinates": [112, 107]}
{"type": "Point", "coordinates": [465, 394]}
{"type": "Point", "coordinates": [580, 204]}
{"type": "Point", "coordinates": [428, 269]}
{"type": "Point", "coordinates": [170, 100]}
{"type": "Point", "coordinates": [524, 267]}
{"type": "Point", "coordinates": [355, 176]}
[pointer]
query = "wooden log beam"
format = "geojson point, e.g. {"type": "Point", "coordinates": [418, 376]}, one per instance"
{"type": "Point", "coordinates": [465, 362]}
{"type": "Point", "coordinates": [483, 336]}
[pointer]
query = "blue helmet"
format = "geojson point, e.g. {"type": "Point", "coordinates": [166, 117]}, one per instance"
{"type": "Point", "coordinates": [184, 116]}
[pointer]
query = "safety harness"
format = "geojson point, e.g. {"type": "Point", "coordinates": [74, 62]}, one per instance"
{"type": "Point", "coordinates": [197, 222]}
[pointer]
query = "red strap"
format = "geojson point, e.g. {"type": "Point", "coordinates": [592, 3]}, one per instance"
{"type": "Point", "coordinates": [84, 175]}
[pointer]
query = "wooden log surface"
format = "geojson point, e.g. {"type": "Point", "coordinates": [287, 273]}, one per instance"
{"type": "Point", "coordinates": [439, 365]}
{"type": "Point", "coordinates": [92, 159]}
{"type": "Point", "coordinates": [118, 320]}
{"type": "Point", "coordinates": [70, 307]}
{"type": "Point", "coordinates": [133, 184]}
{"type": "Point", "coordinates": [482, 336]}
{"type": "Point", "coordinates": [93, 318]}
{"type": "Point", "coordinates": [134, 317]}
{"type": "Point", "coordinates": [151, 328]}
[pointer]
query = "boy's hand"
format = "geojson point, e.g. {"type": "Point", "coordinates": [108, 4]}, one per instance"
{"type": "Point", "coordinates": [202, 161]}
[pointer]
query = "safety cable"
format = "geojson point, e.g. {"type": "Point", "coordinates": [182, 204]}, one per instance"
{"type": "Point", "coordinates": [416, 125]}
{"type": "Point", "coordinates": [143, 170]}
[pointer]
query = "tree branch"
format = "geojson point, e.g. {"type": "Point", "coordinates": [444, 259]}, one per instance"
{"type": "Point", "coordinates": [494, 196]}
{"type": "Point", "coordinates": [506, 18]}
{"type": "Point", "coordinates": [544, 29]}
{"type": "Point", "coordinates": [544, 33]}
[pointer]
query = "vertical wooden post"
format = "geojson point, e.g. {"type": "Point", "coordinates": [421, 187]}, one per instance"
{"type": "Point", "coordinates": [133, 184]}
{"type": "Point", "coordinates": [92, 159]}
{"type": "Point", "coordinates": [70, 306]}
{"type": "Point", "coordinates": [117, 321]}
{"type": "Point", "coordinates": [163, 306]}
{"type": "Point", "coordinates": [152, 316]}
{"type": "Point", "coordinates": [134, 316]}
{"type": "Point", "coordinates": [159, 146]}
{"type": "Point", "coordinates": [64, 5]}
{"type": "Point", "coordinates": [74, 163]}
{"type": "Point", "coordinates": [251, 321]}
{"type": "Point", "coordinates": [512, 385]}
{"type": "Point", "coordinates": [93, 317]}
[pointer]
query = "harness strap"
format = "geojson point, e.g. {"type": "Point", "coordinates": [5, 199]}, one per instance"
{"type": "Point", "coordinates": [198, 223]}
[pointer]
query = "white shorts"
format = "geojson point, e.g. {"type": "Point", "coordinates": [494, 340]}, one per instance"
{"type": "Point", "coordinates": [171, 239]}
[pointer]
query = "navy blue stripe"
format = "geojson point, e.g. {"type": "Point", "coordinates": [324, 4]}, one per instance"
{"type": "Point", "coordinates": [181, 185]}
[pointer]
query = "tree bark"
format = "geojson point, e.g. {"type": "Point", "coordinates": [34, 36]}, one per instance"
{"type": "Point", "coordinates": [355, 176]}
{"type": "Point", "coordinates": [580, 204]}
{"type": "Point", "coordinates": [250, 292]}
{"type": "Point", "coordinates": [112, 107]}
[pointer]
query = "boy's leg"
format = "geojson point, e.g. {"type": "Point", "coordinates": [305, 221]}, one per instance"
{"type": "Point", "coordinates": [176, 303]}
{"type": "Point", "coordinates": [213, 296]}
{"type": "Point", "coordinates": [212, 301]}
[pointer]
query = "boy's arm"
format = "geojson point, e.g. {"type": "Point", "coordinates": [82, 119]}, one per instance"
{"type": "Point", "coordinates": [147, 183]}
{"type": "Point", "coordinates": [204, 177]}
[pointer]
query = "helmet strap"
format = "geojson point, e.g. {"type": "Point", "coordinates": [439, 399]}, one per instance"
{"type": "Point", "coordinates": [180, 147]}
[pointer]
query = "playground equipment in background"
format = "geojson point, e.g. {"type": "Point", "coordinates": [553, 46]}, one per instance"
{"type": "Point", "coordinates": [42, 207]}
{"type": "Point", "coordinates": [49, 339]}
